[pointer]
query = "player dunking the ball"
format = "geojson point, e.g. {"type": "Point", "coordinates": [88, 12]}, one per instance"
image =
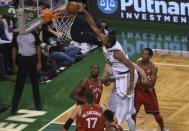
{"type": "Point", "coordinates": [121, 67]}
{"type": "Point", "coordinates": [144, 92]}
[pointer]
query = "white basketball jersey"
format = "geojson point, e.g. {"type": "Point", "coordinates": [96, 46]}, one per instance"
{"type": "Point", "coordinates": [117, 66]}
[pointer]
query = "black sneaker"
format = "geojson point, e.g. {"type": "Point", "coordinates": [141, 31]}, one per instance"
{"type": "Point", "coordinates": [39, 108]}
{"type": "Point", "coordinates": [13, 112]}
{"type": "Point", "coordinates": [3, 108]}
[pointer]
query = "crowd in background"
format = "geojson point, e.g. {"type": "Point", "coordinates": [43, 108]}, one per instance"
{"type": "Point", "coordinates": [55, 54]}
{"type": "Point", "coordinates": [17, 53]}
{"type": "Point", "coordinates": [6, 35]}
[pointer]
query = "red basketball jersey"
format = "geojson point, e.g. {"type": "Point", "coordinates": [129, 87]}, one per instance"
{"type": "Point", "coordinates": [144, 96]}
{"type": "Point", "coordinates": [96, 88]}
{"type": "Point", "coordinates": [147, 70]}
{"type": "Point", "coordinates": [91, 118]}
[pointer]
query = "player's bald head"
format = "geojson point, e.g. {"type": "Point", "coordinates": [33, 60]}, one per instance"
{"type": "Point", "coordinates": [94, 70]}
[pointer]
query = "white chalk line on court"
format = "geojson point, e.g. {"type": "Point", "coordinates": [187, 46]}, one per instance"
{"type": "Point", "coordinates": [56, 118]}
{"type": "Point", "coordinates": [176, 65]}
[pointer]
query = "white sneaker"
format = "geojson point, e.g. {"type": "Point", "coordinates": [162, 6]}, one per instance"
{"type": "Point", "coordinates": [62, 68]}
{"type": "Point", "coordinates": [48, 81]}
{"type": "Point", "coordinates": [164, 129]}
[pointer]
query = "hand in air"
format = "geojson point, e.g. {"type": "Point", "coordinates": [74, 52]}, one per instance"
{"type": "Point", "coordinates": [81, 7]}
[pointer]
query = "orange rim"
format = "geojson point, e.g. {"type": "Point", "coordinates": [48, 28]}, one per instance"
{"type": "Point", "coordinates": [48, 15]}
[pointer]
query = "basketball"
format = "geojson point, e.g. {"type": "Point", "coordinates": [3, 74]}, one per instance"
{"type": "Point", "coordinates": [72, 8]}
{"type": "Point", "coordinates": [47, 15]}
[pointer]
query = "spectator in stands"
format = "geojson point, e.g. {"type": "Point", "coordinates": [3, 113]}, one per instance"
{"type": "Point", "coordinates": [5, 41]}
{"type": "Point", "coordinates": [48, 70]}
{"type": "Point", "coordinates": [28, 61]}
{"type": "Point", "coordinates": [3, 75]}
{"type": "Point", "coordinates": [57, 52]}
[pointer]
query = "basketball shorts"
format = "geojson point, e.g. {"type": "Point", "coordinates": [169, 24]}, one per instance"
{"type": "Point", "coordinates": [146, 98]}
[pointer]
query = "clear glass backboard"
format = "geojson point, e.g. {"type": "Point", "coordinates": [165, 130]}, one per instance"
{"type": "Point", "coordinates": [29, 12]}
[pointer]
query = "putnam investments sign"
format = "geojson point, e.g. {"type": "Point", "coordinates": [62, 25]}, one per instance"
{"type": "Point", "coordinates": [160, 11]}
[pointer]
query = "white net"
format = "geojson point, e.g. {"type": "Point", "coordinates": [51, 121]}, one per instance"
{"type": "Point", "coordinates": [63, 26]}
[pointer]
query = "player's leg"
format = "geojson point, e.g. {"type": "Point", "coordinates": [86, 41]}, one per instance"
{"type": "Point", "coordinates": [152, 107]}
{"type": "Point", "coordinates": [119, 111]}
{"type": "Point", "coordinates": [121, 91]}
{"type": "Point", "coordinates": [138, 97]}
{"type": "Point", "coordinates": [124, 112]}
{"type": "Point", "coordinates": [137, 102]}
{"type": "Point", "coordinates": [159, 120]}
{"type": "Point", "coordinates": [131, 108]}
{"type": "Point", "coordinates": [129, 103]}
{"type": "Point", "coordinates": [113, 100]}
{"type": "Point", "coordinates": [125, 106]}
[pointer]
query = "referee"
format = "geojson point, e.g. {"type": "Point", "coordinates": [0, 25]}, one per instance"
{"type": "Point", "coordinates": [26, 55]}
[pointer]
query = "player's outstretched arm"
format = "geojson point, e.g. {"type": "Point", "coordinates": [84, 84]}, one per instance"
{"type": "Point", "coordinates": [107, 71]}
{"type": "Point", "coordinates": [141, 71]}
{"type": "Point", "coordinates": [107, 81]}
{"type": "Point", "coordinates": [73, 116]}
{"type": "Point", "coordinates": [93, 25]}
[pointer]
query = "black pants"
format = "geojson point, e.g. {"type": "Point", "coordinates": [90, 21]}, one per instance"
{"type": "Point", "coordinates": [26, 64]}
{"type": "Point", "coordinates": [2, 65]}
{"type": "Point", "coordinates": [5, 49]}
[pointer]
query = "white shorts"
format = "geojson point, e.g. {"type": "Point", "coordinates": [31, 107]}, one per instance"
{"type": "Point", "coordinates": [122, 84]}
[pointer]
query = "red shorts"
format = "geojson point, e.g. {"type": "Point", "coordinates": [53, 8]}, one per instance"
{"type": "Point", "coordinates": [147, 98]}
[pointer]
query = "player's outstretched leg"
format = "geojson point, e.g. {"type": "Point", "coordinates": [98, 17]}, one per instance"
{"type": "Point", "coordinates": [159, 120]}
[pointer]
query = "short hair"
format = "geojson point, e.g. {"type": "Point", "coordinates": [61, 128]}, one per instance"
{"type": "Point", "coordinates": [95, 65]}
{"type": "Point", "coordinates": [109, 115]}
{"type": "Point", "coordinates": [112, 39]}
{"type": "Point", "coordinates": [89, 96]}
{"type": "Point", "coordinates": [150, 51]}
{"type": "Point", "coordinates": [103, 21]}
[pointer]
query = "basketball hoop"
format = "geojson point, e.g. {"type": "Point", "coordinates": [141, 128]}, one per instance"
{"type": "Point", "coordinates": [63, 22]}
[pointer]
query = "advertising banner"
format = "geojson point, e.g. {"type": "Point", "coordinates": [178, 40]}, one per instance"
{"type": "Point", "coordinates": [158, 11]}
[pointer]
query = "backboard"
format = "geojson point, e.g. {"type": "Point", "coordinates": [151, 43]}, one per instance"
{"type": "Point", "coordinates": [29, 12]}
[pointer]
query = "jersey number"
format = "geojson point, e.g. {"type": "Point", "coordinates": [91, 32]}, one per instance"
{"type": "Point", "coordinates": [91, 122]}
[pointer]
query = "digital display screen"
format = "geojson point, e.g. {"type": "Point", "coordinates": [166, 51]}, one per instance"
{"type": "Point", "coordinates": [158, 11]}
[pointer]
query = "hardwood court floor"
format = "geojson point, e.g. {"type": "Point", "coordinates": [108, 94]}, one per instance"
{"type": "Point", "coordinates": [172, 89]}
